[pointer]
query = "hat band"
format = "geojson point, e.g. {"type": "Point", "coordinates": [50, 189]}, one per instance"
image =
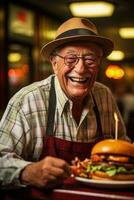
{"type": "Point", "coordinates": [75, 32]}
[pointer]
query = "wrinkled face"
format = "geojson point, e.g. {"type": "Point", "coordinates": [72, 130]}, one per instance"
{"type": "Point", "coordinates": [76, 67]}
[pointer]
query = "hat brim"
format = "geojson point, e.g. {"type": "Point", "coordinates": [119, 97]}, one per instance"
{"type": "Point", "coordinates": [106, 44]}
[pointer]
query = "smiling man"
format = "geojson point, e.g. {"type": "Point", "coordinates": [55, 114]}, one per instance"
{"type": "Point", "coordinates": [49, 122]}
{"type": "Point", "coordinates": [76, 65]}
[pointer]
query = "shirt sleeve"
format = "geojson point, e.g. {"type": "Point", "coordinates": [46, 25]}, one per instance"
{"type": "Point", "coordinates": [14, 139]}
{"type": "Point", "coordinates": [107, 107]}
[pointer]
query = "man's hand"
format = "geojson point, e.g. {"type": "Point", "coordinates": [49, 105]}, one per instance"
{"type": "Point", "coordinates": [46, 173]}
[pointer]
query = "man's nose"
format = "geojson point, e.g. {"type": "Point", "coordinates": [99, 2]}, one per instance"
{"type": "Point", "coordinates": [80, 66]}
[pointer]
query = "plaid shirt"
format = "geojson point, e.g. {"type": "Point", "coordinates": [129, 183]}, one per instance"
{"type": "Point", "coordinates": [23, 125]}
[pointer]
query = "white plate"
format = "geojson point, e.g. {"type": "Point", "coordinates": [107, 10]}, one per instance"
{"type": "Point", "coordinates": [106, 184]}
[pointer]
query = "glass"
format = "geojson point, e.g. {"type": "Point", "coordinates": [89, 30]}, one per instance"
{"type": "Point", "coordinates": [71, 60]}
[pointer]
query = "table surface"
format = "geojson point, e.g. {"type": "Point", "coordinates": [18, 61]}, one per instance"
{"type": "Point", "coordinates": [75, 190]}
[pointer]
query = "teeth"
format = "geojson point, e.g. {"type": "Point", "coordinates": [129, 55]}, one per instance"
{"type": "Point", "coordinates": [78, 79]}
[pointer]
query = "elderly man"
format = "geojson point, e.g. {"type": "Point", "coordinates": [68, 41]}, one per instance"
{"type": "Point", "coordinates": [48, 123]}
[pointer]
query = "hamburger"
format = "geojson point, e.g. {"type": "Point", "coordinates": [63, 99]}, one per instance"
{"type": "Point", "coordinates": [112, 160]}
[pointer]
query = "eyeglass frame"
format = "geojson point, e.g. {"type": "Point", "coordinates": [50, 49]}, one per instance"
{"type": "Point", "coordinates": [77, 59]}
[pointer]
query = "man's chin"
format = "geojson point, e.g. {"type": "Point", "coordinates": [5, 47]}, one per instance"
{"type": "Point", "coordinates": [78, 96]}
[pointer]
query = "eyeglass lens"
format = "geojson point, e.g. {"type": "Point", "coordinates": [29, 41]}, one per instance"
{"type": "Point", "coordinates": [72, 60]}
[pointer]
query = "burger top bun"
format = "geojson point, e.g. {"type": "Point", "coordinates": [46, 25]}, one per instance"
{"type": "Point", "coordinates": [112, 146]}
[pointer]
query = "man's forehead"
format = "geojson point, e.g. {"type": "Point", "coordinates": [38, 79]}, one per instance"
{"type": "Point", "coordinates": [81, 45]}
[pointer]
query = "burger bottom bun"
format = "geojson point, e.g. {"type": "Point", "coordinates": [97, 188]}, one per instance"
{"type": "Point", "coordinates": [99, 175]}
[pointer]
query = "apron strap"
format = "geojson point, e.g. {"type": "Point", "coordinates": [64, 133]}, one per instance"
{"type": "Point", "coordinates": [51, 109]}
{"type": "Point", "coordinates": [97, 117]}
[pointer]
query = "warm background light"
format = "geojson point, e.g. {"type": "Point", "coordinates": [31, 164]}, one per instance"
{"type": "Point", "coordinates": [14, 57]}
{"type": "Point", "coordinates": [127, 32]}
{"type": "Point", "coordinates": [116, 55]}
{"type": "Point", "coordinates": [114, 71]}
{"type": "Point", "coordinates": [92, 9]}
{"type": "Point", "coordinates": [17, 75]}
{"type": "Point", "coordinates": [49, 34]}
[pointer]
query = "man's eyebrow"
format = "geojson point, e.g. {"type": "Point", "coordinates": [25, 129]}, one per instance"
{"type": "Point", "coordinates": [71, 51]}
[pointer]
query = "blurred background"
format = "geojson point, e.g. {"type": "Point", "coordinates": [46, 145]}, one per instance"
{"type": "Point", "coordinates": [26, 25]}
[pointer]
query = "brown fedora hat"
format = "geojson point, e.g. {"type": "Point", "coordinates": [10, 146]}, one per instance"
{"type": "Point", "coordinates": [77, 29]}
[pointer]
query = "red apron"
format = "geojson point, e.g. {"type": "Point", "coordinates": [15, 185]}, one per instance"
{"type": "Point", "coordinates": [56, 147]}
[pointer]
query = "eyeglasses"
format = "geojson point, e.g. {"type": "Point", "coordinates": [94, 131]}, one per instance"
{"type": "Point", "coordinates": [71, 60]}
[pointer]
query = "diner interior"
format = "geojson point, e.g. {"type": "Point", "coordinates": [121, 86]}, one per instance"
{"type": "Point", "coordinates": [26, 25]}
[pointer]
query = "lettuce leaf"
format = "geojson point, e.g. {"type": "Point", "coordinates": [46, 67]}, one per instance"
{"type": "Point", "coordinates": [110, 170]}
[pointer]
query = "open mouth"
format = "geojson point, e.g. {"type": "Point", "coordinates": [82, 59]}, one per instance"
{"type": "Point", "coordinates": [78, 80]}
